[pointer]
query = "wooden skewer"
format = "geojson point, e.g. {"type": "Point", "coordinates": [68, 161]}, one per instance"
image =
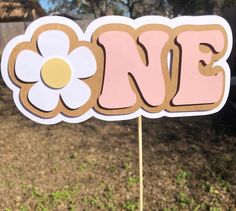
{"type": "Point", "coordinates": [140, 163]}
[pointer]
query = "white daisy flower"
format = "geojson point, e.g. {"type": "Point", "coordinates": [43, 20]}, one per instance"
{"type": "Point", "coordinates": [56, 72]}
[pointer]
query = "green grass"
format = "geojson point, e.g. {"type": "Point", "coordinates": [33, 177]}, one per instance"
{"type": "Point", "coordinates": [113, 168]}
{"type": "Point", "coordinates": [94, 201]}
{"type": "Point", "coordinates": [195, 148]}
{"type": "Point", "coordinates": [170, 209]}
{"type": "Point", "coordinates": [184, 200]}
{"type": "Point", "coordinates": [63, 195]}
{"type": "Point", "coordinates": [127, 166]}
{"type": "Point", "coordinates": [83, 167]}
{"type": "Point", "coordinates": [224, 184]}
{"type": "Point", "coordinates": [108, 193]}
{"type": "Point", "coordinates": [132, 180]}
{"type": "Point", "coordinates": [130, 205]}
{"type": "Point", "coordinates": [210, 188]}
{"type": "Point", "coordinates": [105, 201]}
{"type": "Point", "coordinates": [214, 209]}
{"type": "Point", "coordinates": [48, 201]}
{"type": "Point", "coordinates": [182, 177]}
{"type": "Point", "coordinates": [23, 208]}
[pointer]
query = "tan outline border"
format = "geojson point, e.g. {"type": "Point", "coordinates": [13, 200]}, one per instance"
{"type": "Point", "coordinates": [204, 70]}
{"type": "Point", "coordinates": [96, 81]}
{"type": "Point", "coordinates": [135, 33]}
{"type": "Point", "coordinates": [92, 82]}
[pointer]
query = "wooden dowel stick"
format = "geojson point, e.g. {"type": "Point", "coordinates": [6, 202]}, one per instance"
{"type": "Point", "coordinates": [140, 144]}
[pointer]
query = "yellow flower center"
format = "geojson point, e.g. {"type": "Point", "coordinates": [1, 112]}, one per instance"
{"type": "Point", "coordinates": [56, 73]}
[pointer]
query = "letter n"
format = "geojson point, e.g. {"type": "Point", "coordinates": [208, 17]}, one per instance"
{"type": "Point", "coordinates": [139, 59]}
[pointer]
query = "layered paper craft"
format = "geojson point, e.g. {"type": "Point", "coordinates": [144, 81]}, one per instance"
{"type": "Point", "coordinates": [119, 68]}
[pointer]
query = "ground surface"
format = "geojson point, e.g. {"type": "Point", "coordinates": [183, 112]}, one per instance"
{"type": "Point", "coordinates": [189, 164]}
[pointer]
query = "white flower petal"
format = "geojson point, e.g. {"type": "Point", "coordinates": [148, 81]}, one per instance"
{"type": "Point", "coordinates": [83, 62]}
{"type": "Point", "coordinates": [53, 43]}
{"type": "Point", "coordinates": [76, 94]}
{"type": "Point", "coordinates": [43, 97]}
{"type": "Point", "coordinates": [28, 66]}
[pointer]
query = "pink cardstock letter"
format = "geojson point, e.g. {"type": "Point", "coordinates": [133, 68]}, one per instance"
{"type": "Point", "coordinates": [197, 82]}
{"type": "Point", "coordinates": [122, 59]}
